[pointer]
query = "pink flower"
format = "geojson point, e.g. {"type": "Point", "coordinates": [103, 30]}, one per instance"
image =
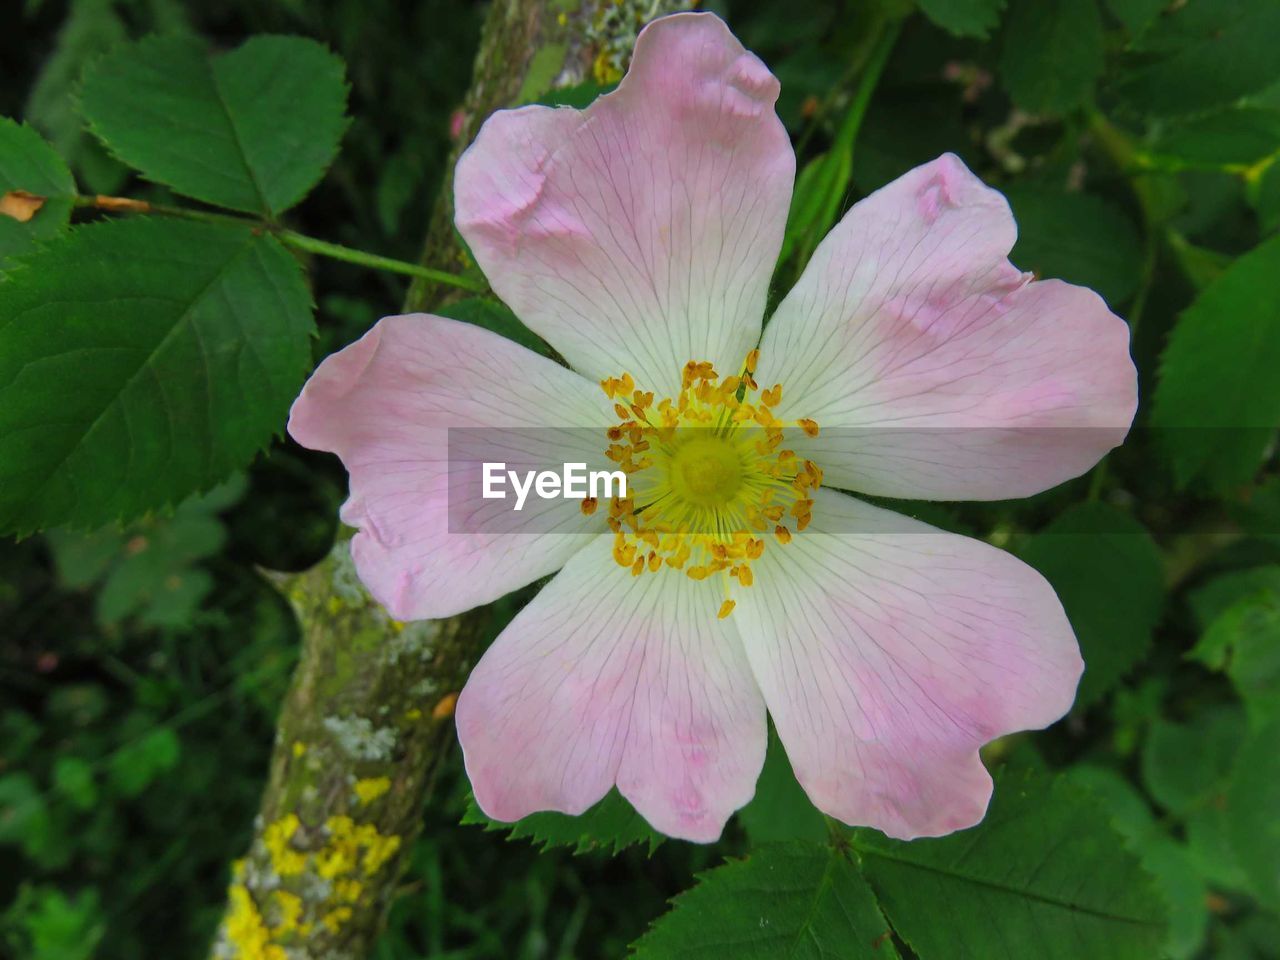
{"type": "Point", "coordinates": [639, 237]}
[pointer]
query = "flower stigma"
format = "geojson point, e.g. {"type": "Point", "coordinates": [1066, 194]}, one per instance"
{"type": "Point", "coordinates": [708, 478]}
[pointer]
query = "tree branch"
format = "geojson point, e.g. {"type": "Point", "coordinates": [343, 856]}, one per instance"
{"type": "Point", "coordinates": [367, 718]}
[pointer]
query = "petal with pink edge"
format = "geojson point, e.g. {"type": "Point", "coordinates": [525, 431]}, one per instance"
{"type": "Point", "coordinates": [935, 369]}
{"type": "Point", "coordinates": [385, 405]}
{"type": "Point", "coordinates": [606, 678]}
{"type": "Point", "coordinates": [640, 233]}
{"type": "Point", "coordinates": [889, 652]}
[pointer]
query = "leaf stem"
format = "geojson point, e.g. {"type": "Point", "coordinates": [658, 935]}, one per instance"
{"type": "Point", "coordinates": [374, 261]}
{"type": "Point", "coordinates": [876, 60]}
{"type": "Point", "coordinates": [130, 205]}
{"type": "Point", "coordinates": [290, 238]}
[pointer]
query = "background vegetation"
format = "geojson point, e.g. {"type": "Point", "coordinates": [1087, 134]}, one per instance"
{"type": "Point", "coordinates": [142, 666]}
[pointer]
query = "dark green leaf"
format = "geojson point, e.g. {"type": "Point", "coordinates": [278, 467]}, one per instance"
{"type": "Point", "coordinates": [780, 810]}
{"type": "Point", "coordinates": [1171, 865]}
{"type": "Point", "coordinates": [1218, 595]}
{"type": "Point", "coordinates": [22, 808]}
{"type": "Point", "coordinates": [792, 901]}
{"type": "Point", "coordinates": [140, 361]}
{"type": "Point", "coordinates": [579, 97]}
{"type": "Point", "coordinates": [1052, 53]}
{"type": "Point", "coordinates": [1204, 55]}
{"type": "Point", "coordinates": [1136, 15]}
{"type": "Point", "coordinates": [92, 27]}
{"type": "Point", "coordinates": [1218, 398]}
{"type": "Point", "coordinates": [1209, 845]}
{"type": "Point", "coordinates": [1186, 765]}
{"type": "Point", "coordinates": [1265, 198]}
{"type": "Point", "coordinates": [61, 927]}
{"type": "Point", "coordinates": [253, 129]}
{"type": "Point", "coordinates": [494, 315]}
{"type": "Point", "coordinates": [1076, 237]}
{"type": "Point", "coordinates": [904, 128]}
{"type": "Point", "coordinates": [149, 567]}
{"type": "Point", "coordinates": [611, 825]}
{"type": "Point", "coordinates": [1044, 872]}
{"type": "Point", "coordinates": [1107, 573]}
{"type": "Point", "coordinates": [1254, 801]}
{"type": "Point", "coordinates": [134, 766]}
{"type": "Point", "coordinates": [1245, 641]}
{"type": "Point", "coordinates": [964, 18]}
{"type": "Point", "coordinates": [1234, 139]}
{"type": "Point", "coordinates": [28, 163]}
{"type": "Point", "coordinates": [73, 778]}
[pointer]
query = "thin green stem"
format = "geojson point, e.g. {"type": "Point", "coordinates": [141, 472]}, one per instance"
{"type": "Point", "coordinates": [336, 251]}
{"type": "Point", "coordinates": [876, 60]}
{"type": "Point", "coordinates": [129, 205]}
{"type": "Point", "coordinates": [290, 238]}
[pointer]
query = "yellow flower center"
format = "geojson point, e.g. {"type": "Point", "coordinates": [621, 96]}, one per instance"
{"type": "Point", "coordinates": [706, 470]}
{"type": "Point", "coordinates": [708, 479]}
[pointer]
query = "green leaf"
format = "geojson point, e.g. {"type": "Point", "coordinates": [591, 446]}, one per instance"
{"type": "Point", "coordinates": [780, 809]}
{"type": "Point", "coordinates": [1107, 572]}
{"type": "Point", "coordinates": [793, 901]}
{"type": "Point", "coordinates": [1186, 765]}
{"type": "Point", "coordinates": [148, 567]}
{"type": "Point", "coordinates": [134, 766]}
{"type": "Point", "coordinates": [964, 18]}
{"type": "Point", "coordinates": [580, 96]}
{"type": "Point", "coordinates": [73, 778]}
{"type": "Point", "coordinates": [611, 825]}
{"type": "Point", "coordinates": [61, 928]}
{"type": "Point", "coordinates": [91, 28]}
{"type": "Point", "coordinates": [1136, 15]}
{"type": "Point", "coordinates": [1265, 198]}
{"type": "Point", "coordinates": [905, 127]}
{"type": "Point", "coordinates": [1245, 641]}
{"type": "Point", "coordinates": [1231, 140]}
{"type": "Point", "coordinates": [495, 315]}
{"type": "Point", "coordinates": [1171, 865]}
{"type": "Point", "coordinates": [28, 163]}
{"type": "Point", "coordinates": [1052, 53]}
{"type": "Point", "coordinates": [253, 129]}
{"type": "Point", "coordinates": [142, 360]}
{"type": "Point", "coordinates": [22, 809]}
{"type": "Point", "coordinates": [1043, 872]}
{"type": "Point", "coordinates": [1218, 398]}
{"type": "Point", "coordinates": [1254, 801]}
{"type": "Point", "coordinates": [1076, 237]}
{"type": "Point", "coordinates": [1218, 595]}
{"type": "Point", "coordinates": [1204, 55]}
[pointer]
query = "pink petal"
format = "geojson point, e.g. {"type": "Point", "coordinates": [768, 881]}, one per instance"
{"type": "Point", "coordinates": [642, 232]}
{"type": "Point", "coordinates": [934, 368]}
{"type": "Point", "coordinates": [607, 678]}
{"type": "Point", "coordinates": [385, 405]}
{"type": "Point", "coordinates": [889, 651]}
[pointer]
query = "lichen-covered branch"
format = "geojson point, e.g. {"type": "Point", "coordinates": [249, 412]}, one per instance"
{"type": "Point", "coordinates": [369, 711]}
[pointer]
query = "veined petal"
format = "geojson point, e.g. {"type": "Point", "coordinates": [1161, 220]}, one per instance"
{"type": "Point", "coordinates": [641, 232]}
{"type": "Point", "coordinates": [889, 652]}
{"type": "Point", "coordinates": [606, 678]}
{"type": "Point", "coordinates": [935, 368]}
{"type": "Point", "coordinates": [385, 405]}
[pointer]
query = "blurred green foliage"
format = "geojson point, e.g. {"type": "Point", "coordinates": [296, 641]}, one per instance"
{"type": "Point", "coordinates": [141, 666]}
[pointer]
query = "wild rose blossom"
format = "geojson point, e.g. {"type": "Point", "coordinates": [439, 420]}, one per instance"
{"type": "Point", "coordinates": [911, 360]}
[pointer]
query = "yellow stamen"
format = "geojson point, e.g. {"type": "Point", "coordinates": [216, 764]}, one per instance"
{"type": "Point", "coordinates": [707, 475]}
